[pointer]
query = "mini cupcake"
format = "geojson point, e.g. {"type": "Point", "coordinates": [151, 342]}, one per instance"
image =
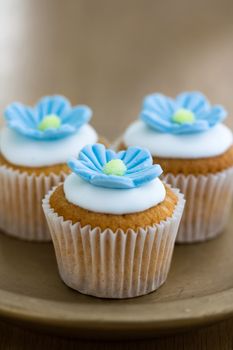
{"type": "Point", "coordinates": [35, 145]}
{"type": "Point", "coordinates": [187, 137]}
{"type": "Point", "coordinates": [113, 223]}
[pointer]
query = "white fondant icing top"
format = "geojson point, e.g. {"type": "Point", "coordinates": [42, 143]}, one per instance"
{"type": "Point", "coordinates": [113, 201]}
{"type": "Point", "coordinates": [23, 151]}
{"type": "Point", "coordinates": [210, 143]}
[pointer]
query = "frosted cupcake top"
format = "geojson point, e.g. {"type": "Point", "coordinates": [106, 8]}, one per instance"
{"type": "Point", "coordinates": [45, 134]}
{"type": "Point", "coordinates": [114, 183]}
{"type": "Point", "coordinates": [184, 127]}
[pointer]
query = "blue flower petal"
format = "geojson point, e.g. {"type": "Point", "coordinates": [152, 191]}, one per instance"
{"type": "Point", "coordinates": [16, 112]}
{"type": "Point", "coordinates": [92, 159]}
{"type": "Point", "coordinates": [198, 126]}
{"type": "Point", "coordinates": [215, 115]}
{"type": "Point", "coordinates": [137, 158]}
{"type": "Point", "coordinates": [49, 134]}
{"type": "Point", "coordinates": [25, 120]}
{"type": "Point", "coordinates": [110, 154]}
{"type": "Point", "coordinates": [84, 158]}
{"type": "Point", "coordinates": [162, 105]}
{"type": "Point", "coordinates": [146, 175]}
{"type": "Point", "coordinates": [57, 104]}
{"type": "Point", "coordinates": [78, 116]}
{"type": "Point", "coordinates": [84, 170]}
{"type": "Point", "coordinates": [128, 156]}
{"type": "Point", "coordinates": [193, 101]}
{"type": "Point", "coordinates": [158, 123]}
{"type": "Point", "coordinates": [112, 181]}
{"type": "Point", "coordinates": [158, 112]}
{"type": "Point", "coordinates": [90, 152]}
{"type": "Point", "coordinates": [99, 151]}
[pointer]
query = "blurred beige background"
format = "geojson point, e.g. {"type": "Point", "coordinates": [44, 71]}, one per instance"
{"type": "Point", "coordinates": [110, 53]}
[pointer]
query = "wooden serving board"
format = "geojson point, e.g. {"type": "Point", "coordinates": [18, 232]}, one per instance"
{"type": "Point", "coordinates": [199, 290]}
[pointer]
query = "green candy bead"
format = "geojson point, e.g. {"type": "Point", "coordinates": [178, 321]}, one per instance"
{"type": "Point", "coordinates": [115, 167]}
{"type": "Point", "coordinates": [51, 121]}
{"type": "Point", "coordinates": [183, 116]}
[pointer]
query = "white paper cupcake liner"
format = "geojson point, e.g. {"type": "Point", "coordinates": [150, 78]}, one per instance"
{"type": "Point", "coordinates": [111, 264]}
{"type": "Point", "coordinates": [208, 204]}
{"type": "Point", "coordinates": [21, 213]}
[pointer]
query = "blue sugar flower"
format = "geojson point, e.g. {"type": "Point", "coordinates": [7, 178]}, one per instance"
{"type": "Point", "coordinates": [189, 112]}
{"type": "Point", "coordinates": [53, 117]}
{"type": "Point", "coordinates": [106, 168]}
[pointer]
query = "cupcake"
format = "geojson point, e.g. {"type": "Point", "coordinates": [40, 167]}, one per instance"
{"type": "Point", "coordinates": [187, 137]}
{"type": "Point", "coordinates": [113, 223]}
{"type": "Point", "coordinates": [35, 145]}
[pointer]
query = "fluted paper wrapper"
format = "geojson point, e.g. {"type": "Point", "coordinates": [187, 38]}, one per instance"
{"type": "Point", "coordinates": [111, 264]}
{"type": "Point", "coordinates": [208, 204]}
{"type": "Point", "coordinates": [21, 194]}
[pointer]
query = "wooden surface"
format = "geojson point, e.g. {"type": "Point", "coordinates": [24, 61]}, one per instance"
{"type": "Point", "coordinates": [108, 54]}
{"type": "Point", "coordinates": [32, 293]}
{"type": "Point", "coordinates": [217, 337]}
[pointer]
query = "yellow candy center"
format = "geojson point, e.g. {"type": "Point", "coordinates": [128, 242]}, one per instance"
{"type": "Point", "coordinates": [183, 116]}
{"type": "Point", "coordinates": [115, 167]}
{"type": "Point", "coordinates": [51, 121]}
